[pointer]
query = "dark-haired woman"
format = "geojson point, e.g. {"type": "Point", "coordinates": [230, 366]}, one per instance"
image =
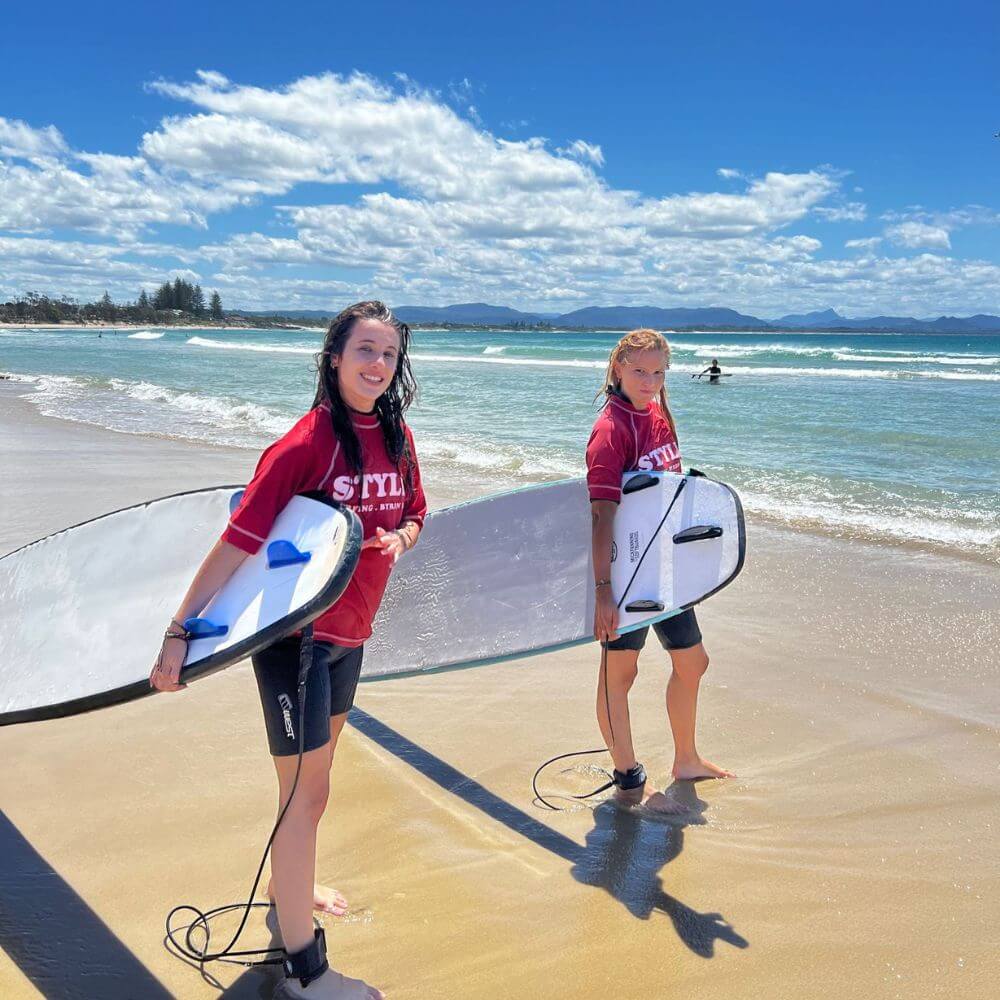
{"type": "Point", "coordinates": [353, 445]}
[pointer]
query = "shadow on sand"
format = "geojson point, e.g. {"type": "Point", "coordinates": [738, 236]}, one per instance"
{"type": "Point", "coordinates": [624, 854]}
{"type": "Point", "coordinates": [63, 947]}
{"type": "Point", "coordinates": [57, 941]}
{"type": "Point", "coordinates": [624, 851]}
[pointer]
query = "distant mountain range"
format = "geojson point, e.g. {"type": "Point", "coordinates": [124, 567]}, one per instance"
{"type": "Point", "coordinates": [629, 317]}
{"type": "Point", "coordinates": [831, 319]}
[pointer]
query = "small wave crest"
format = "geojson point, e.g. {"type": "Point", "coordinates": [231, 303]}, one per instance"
{"type": "Point", "coordinates": [504, 461]}
{"type": "Point", "coordinates": [146, 408]}
{"type": "Point", "coordinates": [883, 373]}
{"type": "Point", "coordinates": [505, 360]}
{"type": "Point", "coordinates": [259, 348]}
{"type": "Point", "coordinates": [746, 350]}
{"type": "Point", "coordinates": [494, 350]}
{"type": "Point", "coordinates": [942, 529]}
{"type": "Point", "coordinates": [843, 353]}
{"type": "Point", "coordinates": [688, 368]}
{"type": "Point", "coordinates": [146, 335]}
{"type": "Point", "coordinates": [899, 358]}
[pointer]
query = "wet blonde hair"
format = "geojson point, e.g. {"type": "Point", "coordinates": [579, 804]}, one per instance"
{"type": "Point", "coordinates": [633, 341]}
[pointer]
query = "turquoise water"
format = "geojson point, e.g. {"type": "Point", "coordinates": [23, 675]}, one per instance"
{"type": "Point", "coordinates": [885, 437]}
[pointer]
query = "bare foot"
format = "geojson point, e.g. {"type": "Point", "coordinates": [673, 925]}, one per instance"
{"type": "Point", "coordinates": [629, 797]}
{"type": "Point", "coordinates": [324, 900]}
{"type": "Point", "coordinates": [330, 986]}
{"type": "Point", "coordinates": [664, 805]}
{"type": "Point", "coordinates": [644, 798]}
{"type": "Point", "coordinates": [691, 770]}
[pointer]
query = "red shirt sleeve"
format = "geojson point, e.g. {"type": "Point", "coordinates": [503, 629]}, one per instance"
{"type": "Point", "coordinates": [416, 504]}
{"type": "Point", "coordinates": [605, 462]}
{"type": "Point", "coordinates": [283, 471]}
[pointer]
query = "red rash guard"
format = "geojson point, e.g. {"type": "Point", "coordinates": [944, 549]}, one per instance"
{"type": "Point", "coordinates": [625, 439]}
{"type": "Point", "coordinates": [309, 457]}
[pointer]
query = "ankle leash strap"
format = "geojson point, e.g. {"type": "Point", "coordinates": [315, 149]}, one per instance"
{"type": "Point", "coordinates": [310, 963]}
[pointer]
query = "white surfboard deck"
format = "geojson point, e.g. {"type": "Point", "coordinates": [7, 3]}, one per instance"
{"type": "Point", "coordinates": [512, 575]}
{"type": "Point", "coordinates": [82, 612]}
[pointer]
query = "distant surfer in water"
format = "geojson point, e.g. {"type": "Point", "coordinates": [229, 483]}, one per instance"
{"type": "Point", "coordinates": [713, 371]}
{"type": "Point", "coordinates": [635, 431]}
{"type": "Point", "coordinates": [354, 446]}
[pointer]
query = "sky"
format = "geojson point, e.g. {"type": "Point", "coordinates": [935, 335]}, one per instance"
{"type": "Point", "coordinates": [771, 158]}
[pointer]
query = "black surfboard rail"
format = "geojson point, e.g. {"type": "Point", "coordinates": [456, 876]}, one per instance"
{"type": "Point", "coordinates": [290, 623]}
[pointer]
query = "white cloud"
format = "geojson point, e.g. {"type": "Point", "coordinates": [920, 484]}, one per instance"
{"type": "Point", "coordinates": [451, 212]}
{"type": "Point", "coordinates": [582, 150]}
{"type": "Point", "coordinates": [86, 270]}
{"type": "Point", "coordinates": [769, 203]}
{"type": "Point", "coordinates": [18, 139]}
{"type": "Point", "coordinates": [852, 211]}
{"type": "Point", "coordinates": [916, 227]}
{"type": "Point", "coordinates": [869, 243]}
{"type": "Point", "coordinates": [114, 195]}
{"type": "Point", "coordinates": [915, 235]}
{"type": "Point", "coordinates": [954, 218]}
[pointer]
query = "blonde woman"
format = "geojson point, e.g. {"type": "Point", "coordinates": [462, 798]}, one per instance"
{"type": "Point", "coordinates": [635, 431]}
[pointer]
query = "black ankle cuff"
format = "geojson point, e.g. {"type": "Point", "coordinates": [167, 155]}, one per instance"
{"type": "Point", "coordinates": [310, 963]}
{"type": "Point", "coordinates": [634, 777]}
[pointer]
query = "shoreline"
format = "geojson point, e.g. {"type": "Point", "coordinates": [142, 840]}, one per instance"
{"type": "Point", "coordinates": [17, 387]}
{"type": "Point", "coordinates": [153, 326]}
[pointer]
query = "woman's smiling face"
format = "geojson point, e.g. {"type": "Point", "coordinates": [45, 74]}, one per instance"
{"type": "Point", "coordinates": [368, 363]}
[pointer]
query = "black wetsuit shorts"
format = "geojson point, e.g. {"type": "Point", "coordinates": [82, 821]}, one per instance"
{"type": "Point", "coordinates": [678, 632]}
{"type": "Point", "coordinates": [329, 690]}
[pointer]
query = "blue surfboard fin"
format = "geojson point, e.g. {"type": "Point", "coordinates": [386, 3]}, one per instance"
{"type": "Point", "coordinates": [234, 501]}
{"type": "Point", "coordinates": [284, 553]}
{"type": "Point", "coordinates": [202, 628]}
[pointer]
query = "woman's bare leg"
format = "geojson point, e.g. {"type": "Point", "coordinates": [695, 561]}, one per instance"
{"type": "Point", "coordinates": [612, 697]}
{"type": "Point", "coordinates": [293, 871]}
{"type": "Point", "coordinates": [689, 665]}
{"type": "Point", "coordinates": [325, 899]}
{"type": "Point", "coordinates": [293, 853]}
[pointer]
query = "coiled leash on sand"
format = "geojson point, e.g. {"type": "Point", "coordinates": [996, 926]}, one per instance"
{"type": "Point", "coordinates": [634, 777]}
{"type": "Point", "coordinates": [189, 949]}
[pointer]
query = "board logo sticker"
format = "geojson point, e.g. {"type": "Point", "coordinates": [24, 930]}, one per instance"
{"type": "Point", "coordinates": [633, 546]}
{"type": "Point", "coordinates": [614, 551]}
{"type": "Point", "coordinates": [286, 713]}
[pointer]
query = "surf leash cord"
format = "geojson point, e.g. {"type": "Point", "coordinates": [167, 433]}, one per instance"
{"type": "Point", "coordinates": [623, 780]}
{"type": "Point", "coordinates": [189, 948]}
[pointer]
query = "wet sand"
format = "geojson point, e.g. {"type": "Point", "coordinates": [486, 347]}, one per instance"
{"type": "Point", "coordinates": [853, 688]}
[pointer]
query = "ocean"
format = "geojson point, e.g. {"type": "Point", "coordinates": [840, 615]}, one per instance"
{"type": "Point", "coordinates": [888, 438]}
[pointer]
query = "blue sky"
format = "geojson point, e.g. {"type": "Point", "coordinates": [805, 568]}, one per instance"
{"type": "Point", "coordinates": [767, 157]}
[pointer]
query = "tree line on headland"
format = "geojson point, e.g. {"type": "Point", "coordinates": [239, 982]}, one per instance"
{"type": "Point", "coordinates": [174, 302]}
{"type": "Point", "coordinates": [179, 303]}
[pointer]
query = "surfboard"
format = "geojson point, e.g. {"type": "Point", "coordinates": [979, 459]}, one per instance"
{"type": "Point", "coordinates": [82, 611]}
{"type": "Point", "coordinates": [512, 574]}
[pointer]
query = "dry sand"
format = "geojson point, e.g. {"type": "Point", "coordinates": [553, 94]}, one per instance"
{"type": "Point", "coordinates": [853, 688]}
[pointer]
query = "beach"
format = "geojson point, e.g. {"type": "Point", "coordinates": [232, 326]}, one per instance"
{"type": "Point", "coordinates": [852, 689]}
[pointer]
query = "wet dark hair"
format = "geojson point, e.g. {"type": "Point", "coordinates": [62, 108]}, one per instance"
{"type": "Point", "coordinates": [389, 407]}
